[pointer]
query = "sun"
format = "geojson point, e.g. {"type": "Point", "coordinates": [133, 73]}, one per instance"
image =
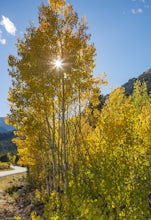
{"type": "Point", "coordinates": [58, 63]}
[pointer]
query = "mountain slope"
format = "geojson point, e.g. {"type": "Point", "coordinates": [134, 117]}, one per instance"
{"type": "Point", "coordinates": [6, 145]}
{"type": "Point", "coordinates": [4, 127]}
{"type": "Point", "coordinates": [6, 135]}
{"type": "Point", "coordinates": [145, 77]}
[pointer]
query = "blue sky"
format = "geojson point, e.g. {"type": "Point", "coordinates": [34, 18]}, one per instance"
{"type": "Point", "coordinates": [120, 31]}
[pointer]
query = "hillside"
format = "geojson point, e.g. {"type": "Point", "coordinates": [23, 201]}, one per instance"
{"type": "Point", "coordinates": [6, 135]}
{"type": "Point", "coordinates": [129, 86]}
{"type": "Point", "coordinates": [6, 145]}
{"type": "Point", "coordinates": [145, 77]}
{"type": "Point", "coordinates": [4, 127]}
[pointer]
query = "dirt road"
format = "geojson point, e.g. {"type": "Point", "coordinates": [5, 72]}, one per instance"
{"type": "Point", "coordinates": [16, 169]}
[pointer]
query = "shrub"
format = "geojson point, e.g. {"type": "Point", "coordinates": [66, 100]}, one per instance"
{"type": "Point", "coordinates": [4, 165]}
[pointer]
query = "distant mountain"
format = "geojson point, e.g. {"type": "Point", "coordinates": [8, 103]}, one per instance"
{"type": "Point", "coordinates": [4, 127]}
{"type": "Point", "coordinates": [6, 135]}
{"type": "Point", "coordinates": [2, 130]}
{"type": "Point", "coordinates": [145, 77]}
{"type": "Point", "coordinates": [6, 145]}
{"type": "Point", "coordinates": [129, 86]}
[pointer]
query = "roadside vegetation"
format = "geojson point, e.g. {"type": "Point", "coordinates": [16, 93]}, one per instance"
{"type": "Point", "coordinates": [4, 166]}
{"type": "Point", "coordinates": [11, 181]}
{"type": "Point", "coordinates": [16, 198]}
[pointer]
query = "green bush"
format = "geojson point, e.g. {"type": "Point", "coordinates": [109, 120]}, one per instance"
{"type": "Point", "coordinates": [4, 165]}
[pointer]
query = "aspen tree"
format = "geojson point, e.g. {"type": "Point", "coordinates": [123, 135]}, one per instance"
{"type": "Point", "coordinates": [43, 96]}
{"type": "Point", "coordinates": [118, 164]}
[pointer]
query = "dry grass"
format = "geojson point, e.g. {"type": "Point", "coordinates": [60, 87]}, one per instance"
{"type": "Point", "coordinates": [12, 180]}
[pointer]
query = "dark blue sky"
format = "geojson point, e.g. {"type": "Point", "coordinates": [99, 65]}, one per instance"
{"type": "Point", "coordinates": [120, 31]}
